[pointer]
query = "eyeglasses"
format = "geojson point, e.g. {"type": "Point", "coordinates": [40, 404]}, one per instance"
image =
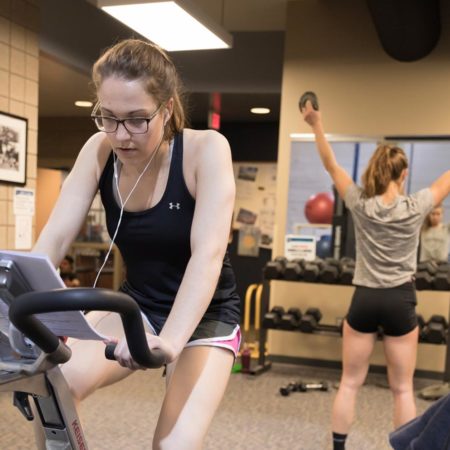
{"type": "Point", "coordinates": [134, 125]}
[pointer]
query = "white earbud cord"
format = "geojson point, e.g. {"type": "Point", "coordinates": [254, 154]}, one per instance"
{"type": "Point", "coordinates": [122, 204]}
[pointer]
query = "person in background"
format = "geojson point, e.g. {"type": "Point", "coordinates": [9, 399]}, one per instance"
{"type": "Point", "coordinates": [387, 230]}
{"type": "Point", "coordinates": [66, 272]}
{"type": "Point", "coordinates": [435, 236]}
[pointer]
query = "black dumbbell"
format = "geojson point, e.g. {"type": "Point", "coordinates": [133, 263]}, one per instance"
{"type": "Point", "coordinates": [286, 390]}
{"type": "Point", "coordinates": [291, 319]}
{"type": "Point", "coordinates": [310, 320]}
{"type": "Point", "coordinates": [313, 386]}
{"type": "Point", "coordinates": [275, 269]}
{"type": "Point", "coordinates": [332, 261]}
{"type": "Point", "coordinates": [312, 270]}
{"type": "Point", "coordinates": [294, 270]}
{"type": "Point", "coordinates": [425, 273]}
{"type": "Point", "coordinates": [424, 280]}
{"type": "Point", "coordinates": [272, 319]}
{"type": "Point", "coordinates": [443, 266]}
{"type": "Point", "coordinates": [435, 330]}
{"type": "Point", "coordinates": [346, 261]}
{"type": "Point", "coordinates": [347, 270]}
{"type": "Point", "coordinates": [330, 271]}
{"type": "Point", "coordinates": [441, 281]}
{"type": "Point", "coordinates": [312, 97]}
{"type": "Point", "coordinates": [429, 266]}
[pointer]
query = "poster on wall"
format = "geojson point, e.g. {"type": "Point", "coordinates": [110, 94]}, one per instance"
{"type": "Point", "coordinates": [255, 199]}
{"type": "Point", "coordinates": [298, 246]}
{"type": "Point", "coordinates": [13, 148]}
{"type": "Point", "coordinates": [24, 209]}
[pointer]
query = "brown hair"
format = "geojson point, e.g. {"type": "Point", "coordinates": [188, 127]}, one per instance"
{"type": "Point", "coordinates": [134, 59]}
{"type": "Point", "coordinates": [427, 221]}
{"type": "Point", "coordinates": [386, 164]}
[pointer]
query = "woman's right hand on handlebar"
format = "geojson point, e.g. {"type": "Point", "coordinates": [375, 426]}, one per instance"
{"type": "Point", "coordinates": [124, 358]}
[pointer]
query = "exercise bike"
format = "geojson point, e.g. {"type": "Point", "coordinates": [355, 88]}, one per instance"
{"type": "Point", "coordinates": [30, 356]}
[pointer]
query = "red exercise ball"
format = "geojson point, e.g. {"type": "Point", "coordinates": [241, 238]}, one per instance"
{"type": "Point", "coordinates": [319, 208]}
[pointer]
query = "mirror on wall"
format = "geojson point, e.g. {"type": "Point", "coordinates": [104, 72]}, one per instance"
{"type": "Point", "coordinates": [307, 177]}
{"type": "Point", "coordinates": [428, 159]}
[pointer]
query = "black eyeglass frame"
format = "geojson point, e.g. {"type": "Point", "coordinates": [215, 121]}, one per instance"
{"type": "Point", "coordinates": [95, 116]}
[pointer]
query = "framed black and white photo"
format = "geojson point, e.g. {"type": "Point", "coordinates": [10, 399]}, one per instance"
{"type": "Point", "coordinates": [13, 149]}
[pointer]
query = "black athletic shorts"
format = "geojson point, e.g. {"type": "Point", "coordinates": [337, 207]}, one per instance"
{"type": "Point", "coordinates": [391, 309]}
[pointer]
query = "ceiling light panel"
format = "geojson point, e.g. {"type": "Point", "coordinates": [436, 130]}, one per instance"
{"type": "Point", "coordinates": [170, 24]}
{"type": "Point", "coordinates": [83, 103]}
{"type": "Point", "coordinates": [259, 110]}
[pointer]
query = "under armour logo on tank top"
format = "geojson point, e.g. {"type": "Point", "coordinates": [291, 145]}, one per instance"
{"type": "Point", "coordinates": [174, 205]}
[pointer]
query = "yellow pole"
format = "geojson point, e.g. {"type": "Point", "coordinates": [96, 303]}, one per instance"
{"type": "Point", "coordinates": [247, 305]}
{"type": "Point", "coordinates": [258, 306]}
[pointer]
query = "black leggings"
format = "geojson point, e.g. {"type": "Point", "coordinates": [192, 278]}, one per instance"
{"type": "Point", "coordinates": [392, 309]}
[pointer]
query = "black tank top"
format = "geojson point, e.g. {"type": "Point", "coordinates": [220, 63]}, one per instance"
{"type": "Point", "coordinates": [155, 246]}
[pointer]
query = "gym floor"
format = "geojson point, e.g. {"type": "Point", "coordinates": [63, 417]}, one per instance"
{"type": "Point", "coordinates": [253, 415]}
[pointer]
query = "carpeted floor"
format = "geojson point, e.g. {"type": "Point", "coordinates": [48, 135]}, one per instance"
{"type": "Point", "coordinates": [253, 415]}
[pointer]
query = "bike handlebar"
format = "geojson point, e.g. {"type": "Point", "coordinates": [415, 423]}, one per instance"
{"type": "Point", "coordinates": [76, 299]}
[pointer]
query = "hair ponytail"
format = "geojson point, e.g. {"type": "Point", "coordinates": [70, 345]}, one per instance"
{"type": "Point", "coordinates": [386, 164]}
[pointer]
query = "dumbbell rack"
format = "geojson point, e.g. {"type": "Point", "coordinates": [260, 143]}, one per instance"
{"type": "Point", "coordinates": [264, 365]}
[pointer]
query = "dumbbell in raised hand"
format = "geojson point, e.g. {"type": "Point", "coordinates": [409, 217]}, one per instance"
{"type": "Point", "coordinates": [313, 386]}
{"type": "Point", "coordinates": [312, 97]}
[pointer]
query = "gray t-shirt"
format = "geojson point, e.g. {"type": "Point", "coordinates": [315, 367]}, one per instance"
{"type": "Point", "coordinates": [387, 236]}
{"type": "Point", "coordinates": [434, 243]}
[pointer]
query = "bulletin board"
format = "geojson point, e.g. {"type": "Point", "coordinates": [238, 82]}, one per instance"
{"type": "Point", "coordinates": [255, 199]}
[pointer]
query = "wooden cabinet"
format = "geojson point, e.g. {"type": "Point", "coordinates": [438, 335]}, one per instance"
{"type": "Point", "coordinates": [88, 259]}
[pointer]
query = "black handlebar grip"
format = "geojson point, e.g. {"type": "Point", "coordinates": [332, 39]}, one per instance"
{"type": "Point", "coordinates": [312, 97]}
